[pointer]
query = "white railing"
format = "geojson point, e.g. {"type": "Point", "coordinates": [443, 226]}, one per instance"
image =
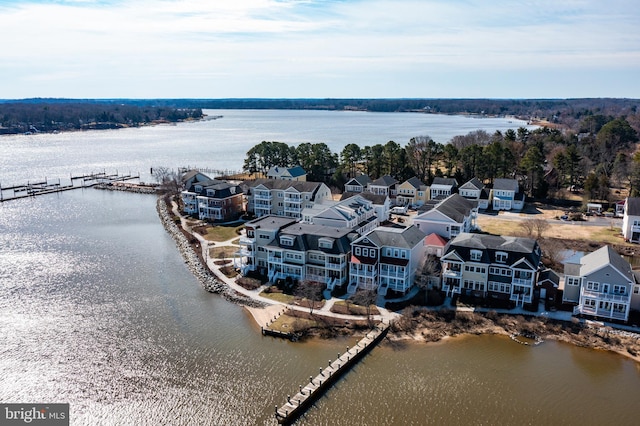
{"type": "Point", "coordinates": [606, 296]}
{"type": "Point", "coordinates": [452, 274]}
{"type": "Point", "coordinates": [275, 259]}
{"type": "Point", "coordinates": [268, 197]}
{"type": "Point", "coordinates": [521, 281]}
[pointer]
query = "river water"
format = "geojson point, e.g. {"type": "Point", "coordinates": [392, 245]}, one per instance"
{"type": "Point", "coordinates": [98, 309]}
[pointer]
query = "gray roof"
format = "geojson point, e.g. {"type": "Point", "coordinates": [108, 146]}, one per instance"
{"type": "Point", "coordinates": [223, 189]}
{"type": "Point", "coordinates": [284, 184]}
{"type": "Point", "coordinates": [473, 184]}
{"type": "Point", "coordinates": [271, 222]}
{"type": "Point", "coordinates": [455, 207]}
{"type": "Point", "coordinates": [375, 199]}
{"type": "Point", "coordinates": [307, 236]}
{"type": "Point", "coordinates": [602, 257]}
{"type": "Point", "coordinates": [361, 180]}
{"type": "Point", "coordinates": [515, 247]}
{"type": "Point", "coordinates": [385, 180]}
{"type": "Point", "coordinates": [633, 206]}
{"type": "Point", "coordinates": [445, 181]}
{"type": "Point", "coordinates": [506, 184]}
{"type": "Point", "coordinates": [415, 182]}
{"type": "Point", "coordinates": [384, 236]}
{"type": "Point", "coordinates": [549, 275]}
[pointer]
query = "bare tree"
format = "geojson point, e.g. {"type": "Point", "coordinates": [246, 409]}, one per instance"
{"type": "Point", "coordinates": [534, 226]}
{"type": "Point", "coordinates": [310, 290]}
{"type": "Point", "coordinates": [365, 298]}
{"type": "Point", "coordinates": [427, 270]}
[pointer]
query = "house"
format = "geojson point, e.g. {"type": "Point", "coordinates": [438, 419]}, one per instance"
{"type": "Point", "coordinates": [506, 195]}
{"type": "Point", "coordinates": [386, 258]}
{"type": "Point", "coordinates": [212, 199]}
{"type": "Point", "coordinates": [411, 192]}
{"type": "Point", "coordinates": [602, 285]}
{"type": "Point", "coordinates": [284, 198]}
{"type": "Point", "coordinates": [448, 218]}
{"type": "Point", "coordinates": [491, 267]}
{"type": "Point", "coordinates": [548, 283]}
{"type": "Point", "coordinates": [619, 206]}
{"type": "Point", "coordinates": [192, 176]}
{"type": "Point", "coordinates": [303, 251]}
{"type": "Point", "coordinates": [435, 244]}
{"type": "Point", "coordinates": [296, 173]}
{"type": "Point", "coordinates": [475, 190]}
{"type": "Point", "coordinates": [385, 185]}
{"type": "Point", "coordinates": [259, 233]}
{"type": "Point", "coordinates": [381, 203]}
{"type": "Point", "coordinates": [357, 184]}
{"type": "Point", "coordinates": [443, 187]}
{"type": "Point", "coordinates": [356, 213]}
{"type": "Point", "coordinates": [631, 220]}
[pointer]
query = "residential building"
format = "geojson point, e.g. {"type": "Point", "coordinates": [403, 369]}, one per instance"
{"type": "Point", "coordinates": [448, 218]}
{"type": "Point", "coordinates": [258, 234]}
{"type": "Point", "coordinates": [435, 244]}
{"type": "Point", "coordinates": [381, 203]}
{"type": "Point", "coordinates": [284, 198]}
{"type": "Point", "coordinates": [385, 185]}
{"type": "Point", "coordinates": [631, 220]}
{"type": "Point", "coordinates": [357, 184]}
{"type": "Point", "coordinates": [491, 267]}
{"type": "Point", "coordinates": [214, 200]}
{"type": "Point", "coordinates": [386, 258]}
{"type": "Point", "coordinates": [411, 192]}
{"type": "Point", "coordinates": [506, 195]}
{"type": "Point", "coordinates": [443, 187]}
{"type": "Point", "coordinates": [316, 253]}
{"type": "Point", "coordinates": [602, 285]}
{"type": "Point", "coordinates": [296, 173]}
{"type": "Point", "coordinates": [192, 176]}
{"type": "Point", "coordinates": [476, 191]}
{"type": "Point", "coordinates": [356, 213]}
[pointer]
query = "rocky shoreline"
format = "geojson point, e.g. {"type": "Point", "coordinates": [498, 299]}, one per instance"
{"type": "Point", "coordinates": [208, 281]}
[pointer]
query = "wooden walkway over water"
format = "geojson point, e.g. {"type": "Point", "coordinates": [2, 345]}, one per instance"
{"type": "Point", "coordinates": [296, 405]}
{"type": "Point", "coordinates": [46, 186]}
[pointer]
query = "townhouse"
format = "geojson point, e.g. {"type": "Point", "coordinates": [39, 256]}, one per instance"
{"type": "Point", "coordinates": [506, 195]}
{"type": "Point", "coordinates": [491, 267]}
{"type": "Point", "coordinates": [443, 187]}
{"type": "Point", "coordinates": [448, 218]}
{"type": "Point", "coordinates": [357, 184]}
{"type": "Point", "coordinates": [412, 192]}
{"type": "Point", "coordinates": [386, 258]}
{"type": "Point", "coordinates": [356, 213]}
{"type": "Point", "coordinates": [214, 200]}
{"type": "Point", "coordinates": [381, 203]}
{"type": "Point", "coordinates": [296, 173]}
{"type": "Point", "coordinates": [475, 190]}
{"type": "Point", "coordinates": [384, 185]}
{"type": "Point", "coordinates": [602, 284]}
{"type": "Point", "coordinates": [284, 198]}
{"type": "Point", "coordinates": [631, 220]}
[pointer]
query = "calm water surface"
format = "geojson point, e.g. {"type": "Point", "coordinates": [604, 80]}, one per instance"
{"type": "Point", "coordinates": [97, 309]}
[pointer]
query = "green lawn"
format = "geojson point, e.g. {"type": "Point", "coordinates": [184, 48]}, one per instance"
{"type": "Point", "coordinates": [217, 233]}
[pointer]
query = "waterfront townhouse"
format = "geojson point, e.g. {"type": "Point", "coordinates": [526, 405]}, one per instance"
{"type": "Point", "coordinates": [381, 203]}
{"type": "Point", "coordinates": [357, 184]}
{"type": "Point", "coordinates": [475, 190]}
{"type": "Point", "coordinates": [412, 192]}
{"type": "Point", "coordinates": [356, 213]}
{"type": "Point", "coordinates": [386, 258]}
{"type": "Point", "coordinates": [284, 198]}
{"type": "Point", "coordinates": [506, 195]}
{"type": "Point", "coordinates": [258, 234]}
{"type": "Point", "coordinates": [296, 173]}
{"type": "Point", "coordinates": [602, 284]}
{"type": "Point", "coordinates": [448, 218]}
{"type": "Point", "coordinates": [631, 220]}
{"type": "Point", "coordinates": [385, 185]}
{"type": "Point", "coordinates": [443, 187]}
{"type": "Point", "coordinates": [213, 200]}
{"type": "Point", "coordinates": [491, 267]}
{"type": "Point", "coordinates": [309, 252]}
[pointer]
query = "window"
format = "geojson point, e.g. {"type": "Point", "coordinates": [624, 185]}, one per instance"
{"type": "Point", "coordinates": [501, 257]}
{"type": "Point", "coordinates": [591, 286]}
{"type": "Point", "coordinates": [619, 289]}
{"type": "Point", "coordinates": [265, 237]}
{"type": "Point", "coordinates": [590, 303]}
{"type": "Point", "coordinates": [325, 243]}
{"type": "Point", "coordinates": [286, 241]}
{"type": "Point", "coordinates": [572, 281]}
{"type": "Point", "coordinates": [636, 289]}
{"type": "Point", "coordinates": [365, 252]}
{"type": "Point", "coordinates": [476, 254]}
{"type": "Point", "coordinates": [358, 251]}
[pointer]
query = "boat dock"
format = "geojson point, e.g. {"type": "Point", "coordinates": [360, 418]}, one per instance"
{"type": "Point", "coordinates": [296, 405]}
{"type": "Point", "coordinates": [47, 186]}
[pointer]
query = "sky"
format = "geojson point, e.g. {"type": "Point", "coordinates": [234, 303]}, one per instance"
{"type": "Point", "coordinates": [319, 49]}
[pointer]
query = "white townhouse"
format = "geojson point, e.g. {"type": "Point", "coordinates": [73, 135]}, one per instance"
{"type": "Point", "coordinates": [443, 187]}
{"type": "Point", "coordinates": [475, 190]}
{"type": "Point", "coordinates": [381, 203]}
{"type": "Point", "coordinates": [356, 213]}
{"type": "Point", "coordinates": [284, 198]}
{"type": "Point", "coordinates": [302, 251]}
{"type": "Point", "coordinates": [258, 234]}
{"type": "Point", "coordinates": [386, 258]}
{"type": "Point", "coordinates": [491, 266]}
{"type": "Point", "coordinates": [384, 185]}
{"type": "Point", "coordinates": [357, 184]}
{"type": "Point", "coordinates": [448, 218]}
{"type": "Point", "coordinates": [506, 195]}
{"type": "Point", "coordinates": [631, 220]}
{"type": "Point", "coordinates": [214, 200]}
{"type": "Point", "coordinates": [296, 173]}
{"type": "Point", "coordinates": [602, 284]}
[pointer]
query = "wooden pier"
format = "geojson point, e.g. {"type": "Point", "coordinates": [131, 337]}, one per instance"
{"type": "Point", "coordinates": [46, 186]}
{"type": "Point", "coordinates": [296, 405]}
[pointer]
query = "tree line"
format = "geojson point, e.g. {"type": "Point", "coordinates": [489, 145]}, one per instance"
{"type": "Point", "coordinates": [546, 161]}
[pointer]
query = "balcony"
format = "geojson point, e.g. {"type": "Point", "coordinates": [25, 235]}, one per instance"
{"type": "Point", "coordinates": [275, 259]}
{"type": "Point", "coordinates": [245, 241]}
{"type": "Point", "coordinates": [623, 298]}
{"type": "Point", "coordinates": [450, 273]}
{"type": "Point", "coordinates": [593, 311]}
{"type": "Point", "coordinates": [335, 266]}
{"type": "Point", "coordinates": [263, 196]}
{"type": "Point", "coordinates": [522, 281]}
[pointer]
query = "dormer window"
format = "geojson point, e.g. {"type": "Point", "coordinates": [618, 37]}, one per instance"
{"type": "Point", "coordinates": [325, 243]}
{"type": "Point", "coordinates": [286, 240]}
{"type": "Point", "coordinates": [476, 255]}
{"type": "Point", "coordinates": [501, 257]}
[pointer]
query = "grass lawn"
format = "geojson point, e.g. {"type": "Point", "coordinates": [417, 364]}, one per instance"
{"type": "Point", "coordinates": [222, 252]}
{"type": "Point", "coordinates": [288, 324]}
{"type": "Point", "coordinates": [342, 307]}
{"type": "Point", "coordinates": [279, 297]}
{"type": "Point", "coordinates": [219, 233]}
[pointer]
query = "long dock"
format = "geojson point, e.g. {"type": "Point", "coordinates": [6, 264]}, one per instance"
{"type": "Point", "coordinates": [299, 403]}
{"type": "Point", "coordinates": [46, 186]}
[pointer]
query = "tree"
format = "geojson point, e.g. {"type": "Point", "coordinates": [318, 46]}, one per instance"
{"type": "Point", "coordinates": [449, 158]}
{"type": "Point", "coordinates": [261, 157]}
{"type": "Point", "coordinates": [534, 226]}
{"type": "Point", "coordinates": [365, 298]}
{"type": "Point", "coordinates": [350, 156]}
{"type": "Point", "coordinates": [422, 153]}
{"type": "Point", "coordinates": [531, 165]}
{"type": "Point", "coordinates": [310, 290]}
{"type": "Point", "coordinates": [391, 158]}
